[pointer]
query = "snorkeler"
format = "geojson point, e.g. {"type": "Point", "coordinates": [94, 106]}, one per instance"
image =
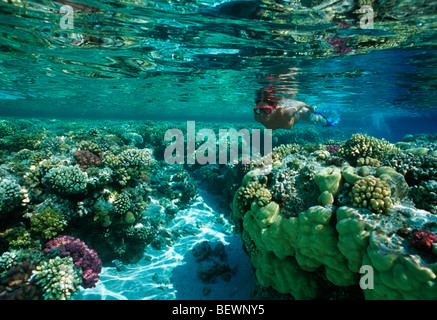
{"type": "Point", "coordinates": [276, 113]}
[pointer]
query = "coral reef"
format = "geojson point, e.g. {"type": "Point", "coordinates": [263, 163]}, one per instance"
{"type": "Point", "coordinates": [311, 214]}
{"type": "Point", "coordinates": [363, 220]}
{"type": "Point", "coordinates": [371, 193]}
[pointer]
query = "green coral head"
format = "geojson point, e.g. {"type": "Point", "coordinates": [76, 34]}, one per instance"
{"type": "Point", "coordinates": [371, 193]}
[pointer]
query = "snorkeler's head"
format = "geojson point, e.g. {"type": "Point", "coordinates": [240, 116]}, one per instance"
{"type": "Point", "coordinates": [267, 96]}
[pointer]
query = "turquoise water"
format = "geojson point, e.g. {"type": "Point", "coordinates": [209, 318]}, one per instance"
{"type": "Point", "coordinates": [116, 75]}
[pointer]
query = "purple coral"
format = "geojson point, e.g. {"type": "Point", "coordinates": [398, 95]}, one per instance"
{"type": "Point", "coordinates": [84, 258]}
{"type": "Point", "coordinates": [332, 148]}
{"type": "Point", "coordinates": [339, 45]}
{"type": "Point", "coordinates": [86, 159]}
{"type": "Point", "coordinates": [423, 240]}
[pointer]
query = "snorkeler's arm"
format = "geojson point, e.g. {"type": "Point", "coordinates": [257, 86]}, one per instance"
{"type": "Point", "coordinates": [297, 109]}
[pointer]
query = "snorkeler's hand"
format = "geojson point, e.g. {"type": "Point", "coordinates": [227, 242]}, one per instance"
{"type": "Point", "coordinates": [318, 118]}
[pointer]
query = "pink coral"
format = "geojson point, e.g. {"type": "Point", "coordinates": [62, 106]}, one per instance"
{"type": "Point", "coordinates": [423, 240]}
{"type": "Point", "coordinates": [84, 258]}
{"type": "Point", "coordinates": [86, 159]}
{"type": "Point", "coordinates": [332, 148]}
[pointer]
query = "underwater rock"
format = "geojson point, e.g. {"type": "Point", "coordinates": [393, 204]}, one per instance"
{"type": "Point", "coordinates": [211, 263]}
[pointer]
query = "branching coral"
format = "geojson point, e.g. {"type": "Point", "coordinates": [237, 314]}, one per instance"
{"type": "Point", "coordinates": [254, 191]}
{"type": "Point", "coordinates": [11, 195]}
{"type": "Point", "coordinates": [414, 168]}
{"type": "Point", "coordinates": [121, 202]}
{"type": "Point", "coordinates": [135, 157]}
{"type": "Point", "coordinates": [362, 146]}
{"type": "Point", "coordinates": [84, 258]}
{"type": "Point", "coordinates": [67, 179]}
{"type": "Point", "coordinates": [58, 278]}
{"type": "Point", "coordinates": [424, 195]}
{"type": "Point", "coordinates": [48, 223]}
{"type": "Point", "coordinates": [86, 159]}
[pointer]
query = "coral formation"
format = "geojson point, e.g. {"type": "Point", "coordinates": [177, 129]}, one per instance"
{"type": "Point", "coordinates": [84, 258]}
{"type": "Point", "coordinates": [424, 195]}
{"type": "Point", "coordinates": [16, 285]}
{"type": "Point", "coordinates": [362, 146]}
{"type": "Point", "coordinates": [371, 193]}
{"type": "Point", "coordinates": [309, 220]}
{"type": "Point", "coordinates": [414, 168]}
{"type": "Point", "coordinates": [48, 223]}
{"type": "Point", "coordinates": [12, 195]}
{"type": "Point", "coordinates": [86, 159]}
{"type": "Point", "coordinates": [58, 278]}
{"type": "Point", "coordinates": [423, 240]}
{"type": "Point", "coordinates": [67, 179]}
{"type": "Point", "coordinates": [295, 253]}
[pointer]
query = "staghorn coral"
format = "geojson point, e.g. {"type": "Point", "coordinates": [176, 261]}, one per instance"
{"type": "Point", "coordinates": [371, 193]}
